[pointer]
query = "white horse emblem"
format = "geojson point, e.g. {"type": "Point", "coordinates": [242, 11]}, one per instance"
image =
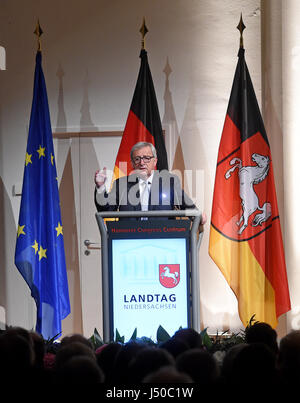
{"type": "Point", "coordinates": [248, 177]}
{"type": "Point", "coordinates": [167, 273]}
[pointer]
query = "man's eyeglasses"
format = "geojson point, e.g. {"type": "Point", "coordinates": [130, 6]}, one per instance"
{"type": "Point", "coordinates": [146, 159]}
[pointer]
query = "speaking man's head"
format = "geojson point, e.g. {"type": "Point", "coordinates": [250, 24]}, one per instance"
{"type": "Point", "coordinates": [144, 159]}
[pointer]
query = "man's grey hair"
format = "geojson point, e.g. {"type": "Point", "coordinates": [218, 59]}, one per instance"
{"type": "Point", "coordinates": [142, 144]}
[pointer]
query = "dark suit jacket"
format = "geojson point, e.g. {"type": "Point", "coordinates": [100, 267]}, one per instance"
{"type": "Point", "coordinates": [166, 194]}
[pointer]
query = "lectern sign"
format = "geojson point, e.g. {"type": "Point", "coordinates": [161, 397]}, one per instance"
{"type": "Point", "coordinates": [149, 276]}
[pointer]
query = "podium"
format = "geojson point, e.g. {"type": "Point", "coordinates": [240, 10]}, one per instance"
{"type": "Point", "coordinates": [150, 273]}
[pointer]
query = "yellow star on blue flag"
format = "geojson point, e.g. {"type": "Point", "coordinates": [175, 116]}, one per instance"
{"type": "Point", "coordinates": [40, 256]}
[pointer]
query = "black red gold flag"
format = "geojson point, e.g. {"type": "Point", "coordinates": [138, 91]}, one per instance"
{"type": "Point", "coordinates": [143, 122]}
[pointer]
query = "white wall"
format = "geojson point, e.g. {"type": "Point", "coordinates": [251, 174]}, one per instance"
{"type": "Point", "coordinates": [99, 41]}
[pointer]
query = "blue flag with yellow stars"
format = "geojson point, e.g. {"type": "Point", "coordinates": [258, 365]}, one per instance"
{"type": "Point", "coordinates": [40, 254]}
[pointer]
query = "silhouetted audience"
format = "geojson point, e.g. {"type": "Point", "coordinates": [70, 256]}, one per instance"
{"type": "Point", "coordinates": [256, 364]}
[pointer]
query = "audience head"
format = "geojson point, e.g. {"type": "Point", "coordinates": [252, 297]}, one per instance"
{"type": "Point", "coordinates": [229, 359]}
{"type": "Point", "coordinates": [199, 364]}
{"type": "Point", "coordinates": [79, 338]}
{"type": "Point", "coordinates": [80, 370]}
{"type": "Point", "coordinates": [106, 359]}
{"type": "Point", "coordinates": [68, 359]}
{"type": "Point", "coordinates": [123, 358]}
{"type": "Point", "coordinates": [174, 346]}
{"type": "Point", "coordinates": [16, 355]}
{"type": "Point", "coordinates": [190, 337]}
{"type": "Point", "coordinates": [148, 360]}
{"type": "Point", "coordinates": [262, 332]}
{"type": "Point", "coordinates": [71, 350]}
{"type": "Point", "coordinates": [255, 364]}
{"type": "Point", "coordinates": [167, 374]}
{"type": "Point", "coordinates": [39, 349]}
{"type": "Point", "coordinates": [17, 330]}
{"type": "Point", "coordinates": [289, 356]}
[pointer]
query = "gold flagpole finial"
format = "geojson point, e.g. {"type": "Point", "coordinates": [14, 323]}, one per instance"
{"type": "Point", "coordinates": [143, 31]}
{"type": "Point", "coordinates": [241, 28]}
{"type": "Point", "coordinates": [38, 32]}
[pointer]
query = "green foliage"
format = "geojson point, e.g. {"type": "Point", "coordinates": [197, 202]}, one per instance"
{"type": "Point", "coordinates": [221, 342]}
{"type": "Point", "coordinates": [225, 341]}
{"type": "Point", "coordinates": [50, 341]}
{"type": "Point", "coordinates": [146, 340]}
{"type": "Point", "coordinates": [96, 339]}
{"type": "Point", "coordinates": [206, 340]}
{"type": "Point", "coordinates": [251, 322]}
{"type": "Point", "coordinates": [51, 345]}
{"type": "Point", "coordinates": [134, 335]}
{"type": "Point", "coordinates": [119, 339]}
{"type": "Point", "coordinates": [162, 335]}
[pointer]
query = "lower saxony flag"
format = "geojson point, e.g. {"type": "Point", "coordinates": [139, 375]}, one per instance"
{"type": "Point", "coordinates": [245, 234]}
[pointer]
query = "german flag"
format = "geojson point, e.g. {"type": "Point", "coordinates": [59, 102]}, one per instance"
{"type": "Point", "coordinates": [245, 234]}
{"type": "Point", "coordinates": [143, 122]}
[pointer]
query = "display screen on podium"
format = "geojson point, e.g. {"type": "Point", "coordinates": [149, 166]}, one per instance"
{"type": "Point", "coordinates": [149, 276]}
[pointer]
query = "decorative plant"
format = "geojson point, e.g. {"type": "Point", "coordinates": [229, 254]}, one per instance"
{"type": "Point", "coordinates": [221, 342]}
{"type": "Point", "coordinates": [96, 339]}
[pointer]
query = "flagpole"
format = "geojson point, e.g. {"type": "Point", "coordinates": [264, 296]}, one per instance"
{"type": "Point", "coordinates": [38, 32]}
{"type": "Point", "coordinates": [241, 26]}
{"type": "Point", "coordinates": [143, 31]}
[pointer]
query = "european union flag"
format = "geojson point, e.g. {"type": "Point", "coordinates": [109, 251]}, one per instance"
{"type": "Point", "coordinates": [40, 254]}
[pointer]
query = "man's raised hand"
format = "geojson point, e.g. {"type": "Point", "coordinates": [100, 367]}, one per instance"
{"type": "Point", "coordinates": [100, 177]}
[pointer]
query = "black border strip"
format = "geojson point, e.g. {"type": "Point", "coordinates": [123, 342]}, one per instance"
{"type": "Point", "coordinates": [229, 155]}
{"type": "Point", "coordinates": [248, 239]}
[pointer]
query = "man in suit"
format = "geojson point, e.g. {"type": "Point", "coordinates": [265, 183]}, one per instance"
{"type": "Point", "coordinates": [144, 189]}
